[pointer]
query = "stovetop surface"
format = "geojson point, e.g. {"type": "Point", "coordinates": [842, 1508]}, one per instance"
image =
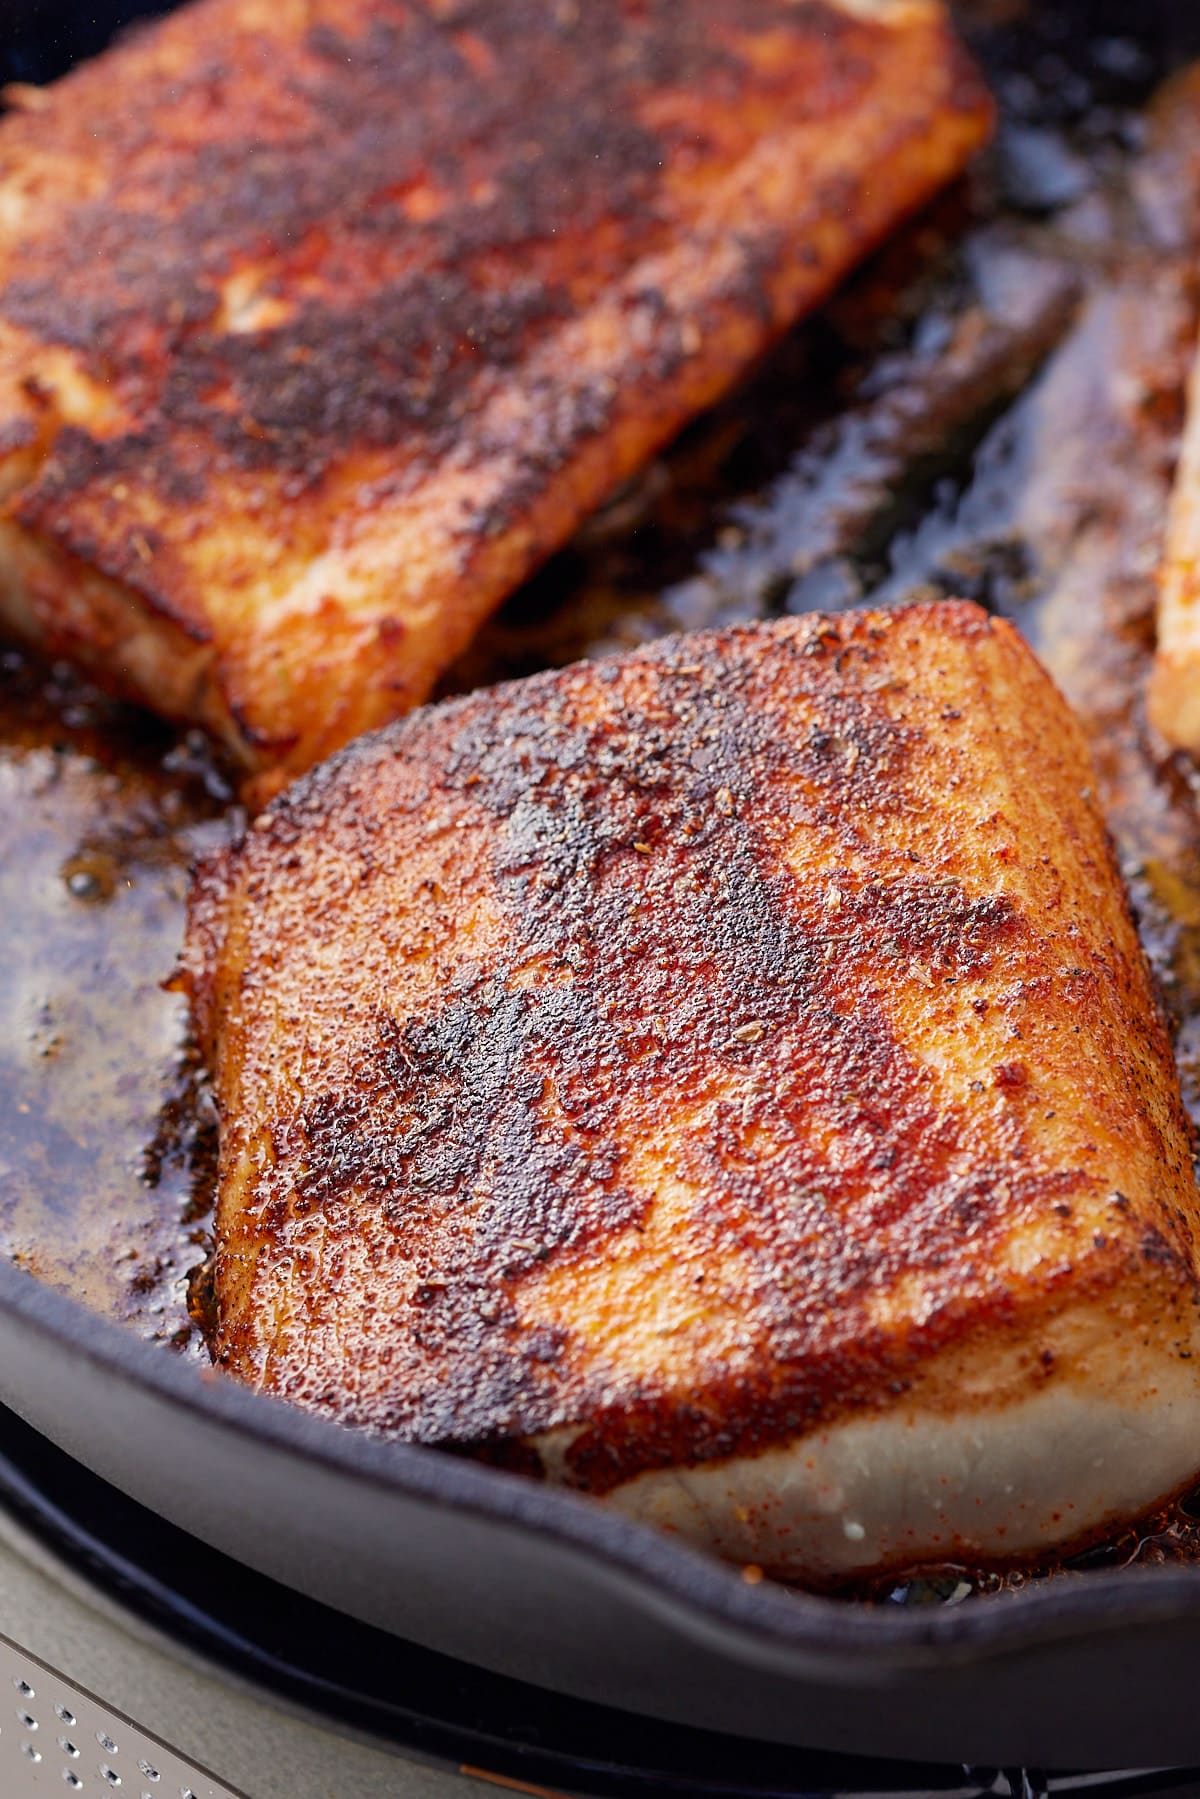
{"type": "Point", "coordinates": [421, 1703]}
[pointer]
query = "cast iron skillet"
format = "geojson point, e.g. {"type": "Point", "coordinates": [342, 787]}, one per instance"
{"type": "Point", "coordinates": [549, 1587]}
{"type": "Point", "coordinates": [552, 1589]}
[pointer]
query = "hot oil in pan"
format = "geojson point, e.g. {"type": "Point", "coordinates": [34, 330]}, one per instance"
{"type": "Point", "coordinates": [992, 410]}
{"type": "Point", "coordinates": [105, 1148]}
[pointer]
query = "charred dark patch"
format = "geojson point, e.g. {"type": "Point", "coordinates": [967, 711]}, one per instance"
{"type": "Point", "coordinates": [435, 1098]}
{"type": "Point", "coordinates": [338, 377]}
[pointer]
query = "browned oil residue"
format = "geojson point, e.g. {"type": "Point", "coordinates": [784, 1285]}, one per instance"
{"type": "Point", "coordinates": [104, 1142]}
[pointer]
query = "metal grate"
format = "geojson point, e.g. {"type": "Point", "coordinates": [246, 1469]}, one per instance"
{"type": "Point", "coordinates": [56, 1738]}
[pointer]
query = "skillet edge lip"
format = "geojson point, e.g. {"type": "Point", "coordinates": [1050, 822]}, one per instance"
{"type": "Point", "coordinates": [653, 1564]}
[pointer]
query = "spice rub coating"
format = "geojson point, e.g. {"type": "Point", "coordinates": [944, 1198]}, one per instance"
{"type": "Point", "coordinates": [1175, 684]}
{"type": "Point", "coordinates": [664, 1063]}
{"type": "Point", "coordinates": [322, 322]}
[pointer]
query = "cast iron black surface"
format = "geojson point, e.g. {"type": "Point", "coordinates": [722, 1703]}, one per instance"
{"type": "Point", "coordinates": [545, 1589]}
{"type": "Point", "coordinates": [555, 1591]}
{"type": "Point", "coordinates": [423, 1704]}
{"type": "Point", "coordinates": [40, 39]}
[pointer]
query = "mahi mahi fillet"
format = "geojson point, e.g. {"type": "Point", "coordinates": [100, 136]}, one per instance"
{"type": "Point", "coordinates": [726, 1080]}
{"type": "Point", "coordinates": [1175, 687]}
{"type": "Point", "coordinates": [322, 322]}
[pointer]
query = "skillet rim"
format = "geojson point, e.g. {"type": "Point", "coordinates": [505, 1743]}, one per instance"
{"type": "Point", "coordinates": [654, 1567]}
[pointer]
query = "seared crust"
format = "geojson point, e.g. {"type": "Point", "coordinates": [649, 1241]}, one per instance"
{"type": "Point", "coordinates": [682, 1054]}
{"type": "Point", "coordinates": [1175, 685]}
{"type": "Point", "coordinates": [321, 324]}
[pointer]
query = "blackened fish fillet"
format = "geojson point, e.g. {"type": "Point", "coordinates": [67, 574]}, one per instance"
{"type": "Point", "coordinates": [725, 1079]}
{"type": "Point", "coordinates": [322, 322]}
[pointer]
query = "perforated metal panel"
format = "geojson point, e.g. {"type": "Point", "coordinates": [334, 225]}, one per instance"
{"type": "Point", "coordinates": [55, 1738]}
